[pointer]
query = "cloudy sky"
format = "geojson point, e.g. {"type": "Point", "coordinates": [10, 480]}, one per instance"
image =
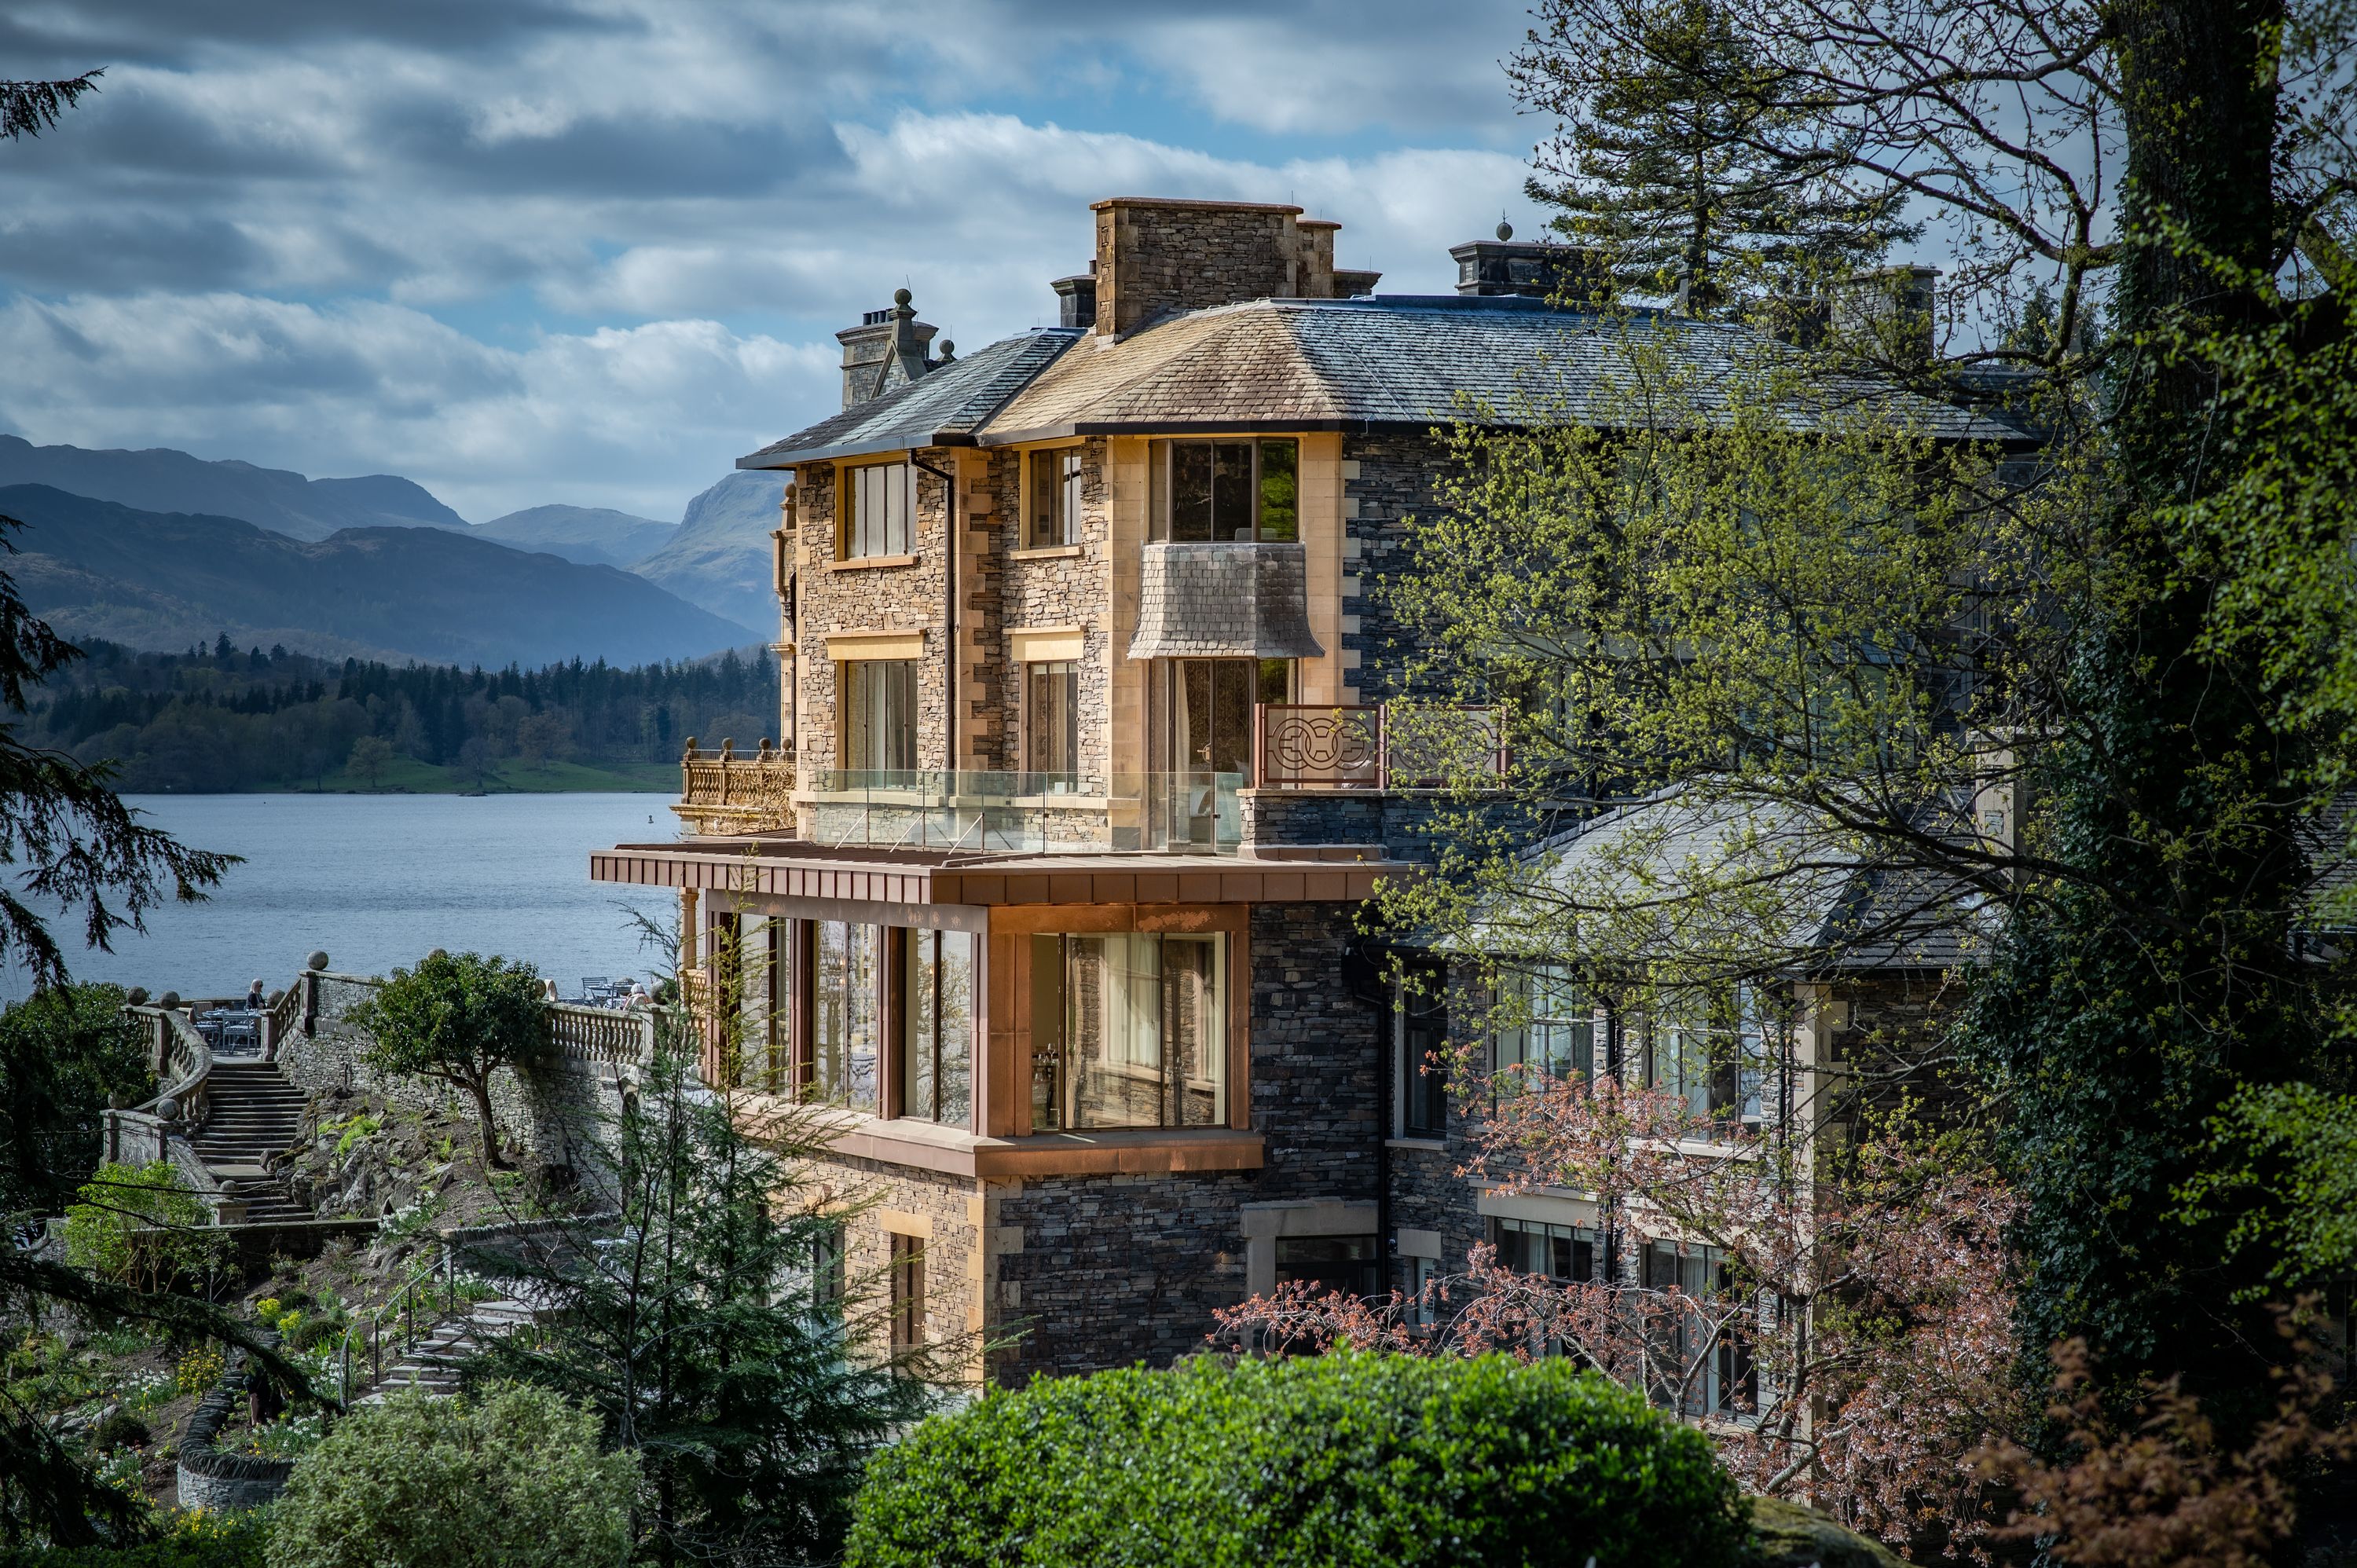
{"type": "Point", "coordinates": [590, 250]}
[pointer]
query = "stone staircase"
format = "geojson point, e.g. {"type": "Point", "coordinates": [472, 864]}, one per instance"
{"type": "Point", "coordinates": [254, 1114]}
{"type": "Point", "coordinates": [432, 1364]}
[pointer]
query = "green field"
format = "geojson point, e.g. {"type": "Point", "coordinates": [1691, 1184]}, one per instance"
{"type": "Point", "coordinates": [407, 775]}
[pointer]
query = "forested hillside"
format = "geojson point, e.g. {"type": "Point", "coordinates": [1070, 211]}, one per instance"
{"type": "Point", "coordinates": [227, 719]}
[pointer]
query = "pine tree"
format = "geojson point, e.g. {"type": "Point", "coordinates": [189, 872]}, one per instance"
{"type": "Point", "coordinates": [1658, 163]}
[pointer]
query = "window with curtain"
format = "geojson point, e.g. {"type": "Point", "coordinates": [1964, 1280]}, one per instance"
{"type": "Point", "coordinates": [1054, 514]}
{"type": "Point", "coordinates": [879, 714]}
{"type": "Point", "coordinates": [1129, 1029]}
{"type": "Point", "coordinates": [846, 965]}
{"type": "Point", "coordinates": [1051, 717]}
{"type": "Point", "coordinates": [1550, 1026]}
{"type": "Point", "coordinates": [937, 975]}
{"type": "Point", "coordinates": [879, 502]}
{"type": "Point", "coordinates": [1208, 491]}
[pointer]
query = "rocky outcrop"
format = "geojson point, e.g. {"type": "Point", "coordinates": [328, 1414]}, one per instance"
{"type": "Point", "coordinates": [1787, 1535]}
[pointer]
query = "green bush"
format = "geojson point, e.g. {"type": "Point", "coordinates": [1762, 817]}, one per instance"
{"type": "Point", "coordinates": [313, 1332]}
{"type": "Point", "coordinates": [1344, 1458]}
{"type": "Point", "coordinates": [514, 1480]}
{"type": "Point", "coordinates": [194, 1539]}
{"type": "Point", "coordinates": [121, 1430]}
{"type": "Point", "coordinates": [141, 1226]}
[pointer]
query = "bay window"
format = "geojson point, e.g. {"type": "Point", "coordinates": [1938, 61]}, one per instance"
{"type": "Point", "coordinates": [1129, 1029]}
{"type": "Point", "coordinates": [937, 975]}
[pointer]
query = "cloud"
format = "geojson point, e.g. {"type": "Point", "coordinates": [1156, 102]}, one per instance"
{"type": "Point", "coordinates": [591, 250]}
{"type": "Point", "coordinates": [640, 416]}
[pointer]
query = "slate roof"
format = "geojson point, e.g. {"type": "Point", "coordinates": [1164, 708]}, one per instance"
{"type": "Point", "coordinates": [1792, 890]}
{"type": "Point", "coordinates": [945, 408]}
{"type": "Point", "coordinates": [1400, 360]}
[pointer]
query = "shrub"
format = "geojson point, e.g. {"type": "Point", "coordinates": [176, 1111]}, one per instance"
{"type": "Point", "coordinates": [194, 1539]}
{"type": "Point", "coordinates": [1343, 1458]}
{"type": "Point", "coordinates": [121, 1430]}
{"type": "Point", "coordinates": [140, 1225]}
{"type": "Point", "coordinates": [311, 1333]}
{"type": "Point", "coordinates": [513, 1479]}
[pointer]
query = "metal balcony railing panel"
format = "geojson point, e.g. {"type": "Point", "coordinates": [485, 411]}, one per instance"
{"type": "Point", "coordinates": [1393, 745]}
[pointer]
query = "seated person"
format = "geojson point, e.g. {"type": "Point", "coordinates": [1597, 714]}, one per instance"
{"type": "Point", "coordinates": [254, 1000]}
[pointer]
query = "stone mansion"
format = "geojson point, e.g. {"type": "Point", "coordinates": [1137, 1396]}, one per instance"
{"type": "Point", "coordinates": [1049, 882]}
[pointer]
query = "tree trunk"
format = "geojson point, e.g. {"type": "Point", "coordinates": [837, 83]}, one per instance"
{"type": "Point", "coordinates": [2127, 1016]}
{"type": "Point", "coordinates": [480, 1085]}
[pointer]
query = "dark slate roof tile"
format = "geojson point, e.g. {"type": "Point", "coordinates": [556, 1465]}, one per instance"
{"type": "Point", "coordinates": [954, 401]}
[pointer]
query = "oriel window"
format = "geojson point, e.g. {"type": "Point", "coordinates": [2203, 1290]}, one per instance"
{"type": "Point", "coordinates": [1054, 514]}
{"type": "Point", "coordinates": [1210, 491]}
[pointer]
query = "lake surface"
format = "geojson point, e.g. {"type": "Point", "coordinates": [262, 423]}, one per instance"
{"type": "Point", "coordinates": [381, 880]}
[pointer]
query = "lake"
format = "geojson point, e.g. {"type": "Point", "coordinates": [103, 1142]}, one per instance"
{"type": "Point", "coordinates": [381, 880]}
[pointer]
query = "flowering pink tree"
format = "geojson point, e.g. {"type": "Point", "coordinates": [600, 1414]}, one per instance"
{"type": "Point", "coordinates": [1850, 1343]}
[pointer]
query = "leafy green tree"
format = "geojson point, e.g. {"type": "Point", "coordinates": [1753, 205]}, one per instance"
{"type": "Point", "coordinates": [372, 755]}
{"type": "Point", "coordinates": [74, 847]}
{"type": "Point", "coordinates": [514, 1478]}
{"type": "Point", "coordinates": [2140, 673]}
{"type": "Point", "coordinates": [458, 1020]}
{"type": "Point", "coordinates": [66, 1052]}
{"type": "Point", "coordinates": [714, 1330]}
{"type": "Point", "coordinates": [1654, 163]}
{"type": "Point", "coordinates": [141, 1226]}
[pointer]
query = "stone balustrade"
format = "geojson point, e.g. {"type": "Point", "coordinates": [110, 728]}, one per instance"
{"type": "Point", "coordinates": [723, 793]}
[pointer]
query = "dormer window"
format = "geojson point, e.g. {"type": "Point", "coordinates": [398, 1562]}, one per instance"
{"type": "Point", "coordinates": [1052, 514]}
{"type": "Point", "coordinates": [1210, 491]}
{"type": "Point", "coordinates": [878, 502]}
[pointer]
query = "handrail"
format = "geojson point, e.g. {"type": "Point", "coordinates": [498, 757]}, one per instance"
{"type": "Point", "coordinates": [281, 1018]}
{"type": "Point", "coordinates": [185, 1055]}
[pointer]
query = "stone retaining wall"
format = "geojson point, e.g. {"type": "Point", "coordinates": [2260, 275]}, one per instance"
{"type": "Point", "coordinates": [209, 1478]}
{"type": "Point", "coordinates": [554, 1109]}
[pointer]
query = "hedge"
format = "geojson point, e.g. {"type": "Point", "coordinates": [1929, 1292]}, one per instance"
{"type": "Point", "coordinates": [1344, 1458]}
{"type": "Point", "coordinates": [191, 1540]}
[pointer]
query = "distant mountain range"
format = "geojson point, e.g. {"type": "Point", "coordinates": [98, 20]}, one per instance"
{"type": "Point", "coordinates": [160, 479]}
{"type": "Point", "coordinates": [718, 561]}
{"type": "Point", "coordinates": [719, 556]}
{"type": "Point", "coordinates": [169, 580]}
{"type": "Point", "coordinates": [593, 535]}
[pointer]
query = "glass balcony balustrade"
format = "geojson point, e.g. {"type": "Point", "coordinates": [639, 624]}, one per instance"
{"type": "Point", "coordinates": [1024, 813]}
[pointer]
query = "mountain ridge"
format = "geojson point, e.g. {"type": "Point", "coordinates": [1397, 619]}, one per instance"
{"type": "Point", "coordinates": [165, 580]}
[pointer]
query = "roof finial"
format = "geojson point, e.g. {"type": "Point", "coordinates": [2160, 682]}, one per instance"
{"type": "Point", "coordinates": [901, 297]}
{"type": "Point", "coordinates": [1505, 230]}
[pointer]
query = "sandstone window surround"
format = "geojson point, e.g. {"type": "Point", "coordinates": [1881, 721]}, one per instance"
{"type": "Point", "coordinates": [907, 1263]}
{"type": "Point", "coordinates": [877, 515]}
{"type": "Point", "coordinates": [1239, 489]}
{"type": "Point", "coordinates": [1331, 1240]}
{"type": "Point", "coordinates": [1051, 498]}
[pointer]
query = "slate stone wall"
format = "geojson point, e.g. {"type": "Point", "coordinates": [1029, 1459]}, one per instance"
{"type": "Point", "coordinates": [1387, 479]}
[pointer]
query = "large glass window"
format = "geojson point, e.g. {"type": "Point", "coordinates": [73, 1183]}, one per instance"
{"type": "Point", "coordinates": [879, 713]}
{"type": "Point", "coordinates": [1556, 1252]}
{"type": "Point", "coordinates": [1205, 491]}
{"type": "Point", "coordinates": [1051, 717]}
{"type": "Point", "coordinates": [878, 502]}
{"type": "Point", "coordinates": [937, 1026]}
{"type": "Point", "coordinates": [1129, 1029]}
{"type": "Point", "coordinates": [1054, 514]}
{"type": "Point", "coordinates": [848, 1033]}
{"type": "Point", "coordinates": [1353, 1265]}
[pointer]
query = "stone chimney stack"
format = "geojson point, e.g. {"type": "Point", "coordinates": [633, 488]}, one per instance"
{"type": "Point", "coordinates": [1157, 255]}
{"type": "Point", "coordinates": [1076, 298]}
{"type": "Point", "coordinates": [1506, 266]}
{"type": "Point", "coordinates": [886, 350]}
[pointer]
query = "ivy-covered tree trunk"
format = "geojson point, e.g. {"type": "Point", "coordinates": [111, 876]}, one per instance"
{"type": "Point", "coordinates": [2163, 975]}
